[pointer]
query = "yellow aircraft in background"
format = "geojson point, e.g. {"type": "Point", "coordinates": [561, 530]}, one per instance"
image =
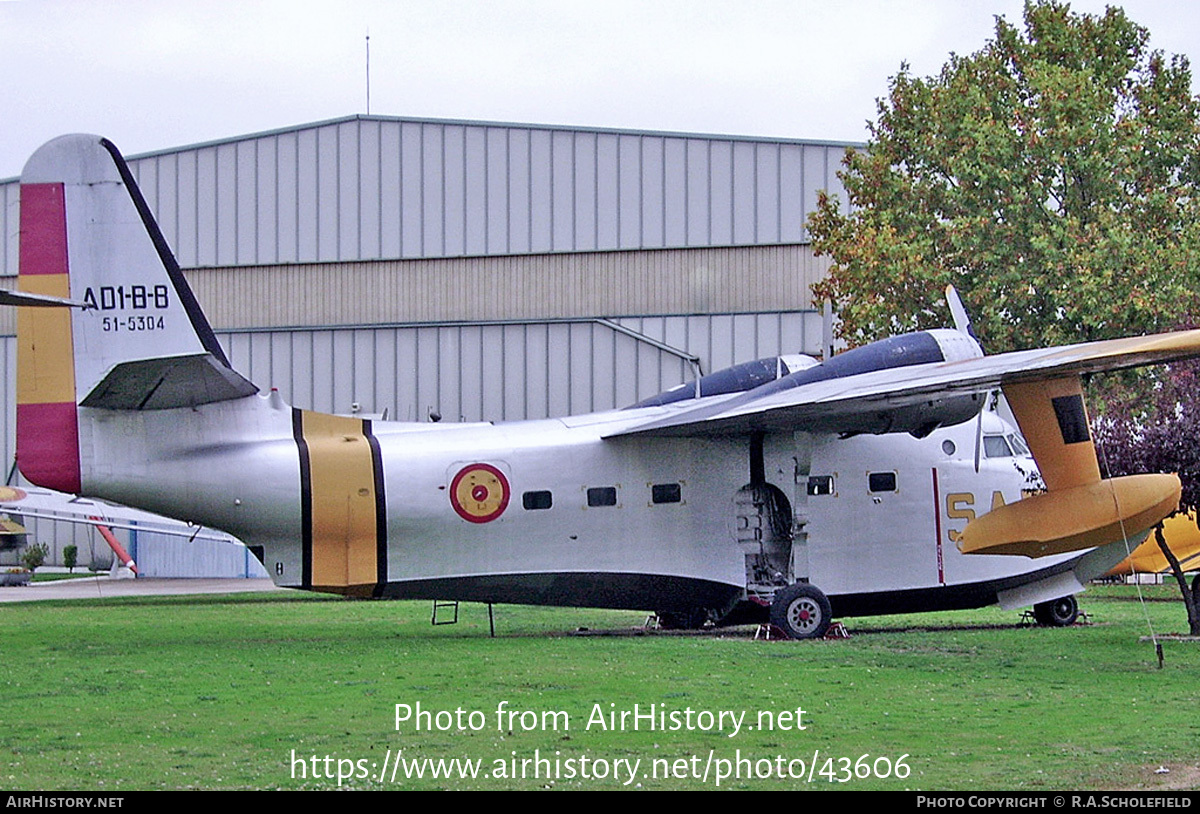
{"type": "Point", "coordinates": [1183, 536]}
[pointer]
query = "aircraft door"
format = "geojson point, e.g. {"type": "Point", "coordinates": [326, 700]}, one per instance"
{"type": "Point", "coordinates": [802, 468]}
{"type": "Point", "coordinates": [763, 528]}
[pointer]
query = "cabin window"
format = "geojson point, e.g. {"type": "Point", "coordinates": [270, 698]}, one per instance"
{"type": "Point", "coordinates": [541, 499]}
{"type": "Point", "coordinates": [820, 485]}
{"type": "Point", "coordinates": [666, 493]}
{"type": "Point", "coordinates": [602, 496]}
{"type": "Point", "coordinates": [881, 481]}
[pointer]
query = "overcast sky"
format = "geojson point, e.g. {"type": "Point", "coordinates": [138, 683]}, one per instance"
{"type": "Point", "coordinates": [154, 74]}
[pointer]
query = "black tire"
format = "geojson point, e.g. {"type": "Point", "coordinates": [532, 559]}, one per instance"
{"type": "Point", "coordinates": [1196, 590]}
{"type": "Point", "coordinates": [1061, 612]}
{"type": "Point", "coordinates": [802, 611]}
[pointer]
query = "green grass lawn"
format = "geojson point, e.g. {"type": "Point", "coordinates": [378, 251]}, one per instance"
{"type": "Point", "coordinates": [218, 691]}
{"type": "Point", "coordinates": [54, 576]}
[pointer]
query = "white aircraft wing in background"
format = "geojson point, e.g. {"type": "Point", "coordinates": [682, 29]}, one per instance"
{"type": "Point", "coordinates": [49, 505]}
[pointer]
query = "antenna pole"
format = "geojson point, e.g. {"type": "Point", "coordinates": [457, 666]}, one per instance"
{"type": "Point", "coordinates": [368, 72]}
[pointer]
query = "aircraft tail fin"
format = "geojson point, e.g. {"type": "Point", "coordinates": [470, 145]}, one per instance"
{"type": "Point", "coordinates": [140, 341]}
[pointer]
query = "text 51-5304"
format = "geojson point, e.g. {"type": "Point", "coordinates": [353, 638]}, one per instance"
{"type": "Point", "coordinates": [134, 323]}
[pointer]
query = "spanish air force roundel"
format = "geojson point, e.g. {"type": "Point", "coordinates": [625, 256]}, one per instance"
{"type": "Point", "coordinates": [479, 493]}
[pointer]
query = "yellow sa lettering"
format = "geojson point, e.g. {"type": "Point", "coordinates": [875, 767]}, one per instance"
{"type": "Point", "coordinates": [959, 506]}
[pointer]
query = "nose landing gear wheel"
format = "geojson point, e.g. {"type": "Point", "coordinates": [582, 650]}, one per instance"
{"type": "Point", "coordinates": [802, 611]}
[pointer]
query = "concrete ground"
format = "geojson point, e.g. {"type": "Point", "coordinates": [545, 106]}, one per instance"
{"type": "Point", "coordinates": [101, 587]}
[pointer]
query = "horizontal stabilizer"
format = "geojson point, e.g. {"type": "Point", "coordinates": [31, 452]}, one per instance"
{"type": "Point", "coordinates": [8, 297]}
{"type": "Point", "coordinates": [166, 382]}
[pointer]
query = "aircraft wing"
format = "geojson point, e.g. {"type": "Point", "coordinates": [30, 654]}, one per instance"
{"type": "Point", "coordinates": [873, 401]}
{"type": "Point", "coordinates": [49, 505]}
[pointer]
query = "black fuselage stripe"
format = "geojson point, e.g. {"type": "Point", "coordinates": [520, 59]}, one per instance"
{"type": "Point", "coordinates": [306, 529]}
{"type": "Point", "coordinates": [381, 537]}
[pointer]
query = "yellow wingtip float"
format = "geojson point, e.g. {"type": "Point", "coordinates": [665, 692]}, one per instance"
{"type": "Point", "coordinates": [1075, 518]}
{"type": "Point", "coordinates": [1079, 509]}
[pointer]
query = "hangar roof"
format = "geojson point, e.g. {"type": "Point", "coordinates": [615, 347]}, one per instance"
{"type": "Point", "coordinates": [384, 188]}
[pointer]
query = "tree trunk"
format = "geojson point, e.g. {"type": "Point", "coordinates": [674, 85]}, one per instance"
{"type": "Point", "coordinates": [1188, 599]}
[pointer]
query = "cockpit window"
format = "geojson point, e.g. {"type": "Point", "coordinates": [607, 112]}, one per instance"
{"type": "Point", "coordinates": [1018, 445]}
{"type": "Point", "coordinates": [994, 446]}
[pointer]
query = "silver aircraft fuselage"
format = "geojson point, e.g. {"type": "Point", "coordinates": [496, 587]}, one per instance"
{"type": "Point", "coordinates": [566, 516]}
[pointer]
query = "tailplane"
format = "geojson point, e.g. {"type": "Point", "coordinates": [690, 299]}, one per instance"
{"type": "Point", "coordinates": [137, 340]}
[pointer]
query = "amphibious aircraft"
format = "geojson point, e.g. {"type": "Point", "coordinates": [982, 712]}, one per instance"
{"type": "Point", "coordinates": [786, 488]}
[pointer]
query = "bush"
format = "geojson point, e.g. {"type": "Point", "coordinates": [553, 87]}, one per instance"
{"type": "Point", "coordinates": [35, 556]}
{"type": "Point", "coordinates": [71, 557]}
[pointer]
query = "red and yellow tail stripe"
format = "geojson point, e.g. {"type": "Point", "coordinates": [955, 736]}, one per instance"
{"type": "Point", "coordinates": [47, 417]}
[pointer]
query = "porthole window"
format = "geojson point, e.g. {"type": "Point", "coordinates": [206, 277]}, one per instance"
{"type": "Point", "coordinates": [820, 485]}
{"type": "Point", "coordinates": [666, 493]}
{"type": "Point", "coordinates": [881, 481]}
{"type": "Point", "coordinates": [533, 501]}
{"type": "Point", "coordinates": [602, 496]}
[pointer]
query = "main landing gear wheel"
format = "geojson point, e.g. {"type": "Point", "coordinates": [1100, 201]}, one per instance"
{"type": "Point", "coordinates": [1061, 612]}
{"type": "Point", "coordinates": [802, 611]}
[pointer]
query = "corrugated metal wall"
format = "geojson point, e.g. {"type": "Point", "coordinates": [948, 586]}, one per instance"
{"type": "Point", "coordinates": [507, 371]}
{"type": "Point", "coordinates": [10, 219]}
{"type": "Point", "coordinates": [368, 188]}
{"type": "Point", "coordinates": [754, 279]}
{"type": "Point", "coordinates": [161, 555]}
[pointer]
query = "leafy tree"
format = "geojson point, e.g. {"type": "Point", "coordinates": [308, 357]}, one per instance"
{"type": "Point", "coordinates": [71, 557]}
{"type": "Point", "coordinates": [1053, 177]}
{"type": "Point", "coordinates": [1161, 435]}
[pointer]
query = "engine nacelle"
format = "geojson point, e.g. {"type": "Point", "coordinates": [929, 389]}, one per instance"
{"type": "Point", "coordinates": [737, 379]}
{"type": "Point", "coordinates": [922, 347]}
{"type": "Point", "coordinates": [772, 374]}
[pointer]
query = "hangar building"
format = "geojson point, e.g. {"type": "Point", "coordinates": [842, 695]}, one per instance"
{"type": "Point", "coordinates": [480, 270]}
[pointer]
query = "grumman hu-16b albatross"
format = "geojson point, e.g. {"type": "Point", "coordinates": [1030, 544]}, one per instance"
{"type": "Point", "coordinates": [785, 488]}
